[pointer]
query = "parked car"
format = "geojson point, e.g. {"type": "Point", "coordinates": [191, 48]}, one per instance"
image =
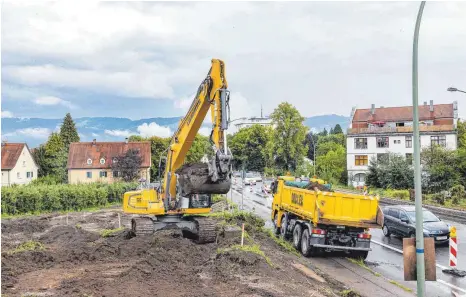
{"type": "Point", "coordinates": [249, 179]}
{"type": "Point", "coordinates": [401, 220]}
{"type": "Point", "coordinates": [258, 177]}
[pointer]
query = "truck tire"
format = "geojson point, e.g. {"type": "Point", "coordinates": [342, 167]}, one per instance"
{"type": "Point", "coordinates": [284, 228]}
{"type": "Point", "coordinates": [276, 230]}
{"type": "Point", "coordinates": [297, 233]}
{"type": "Point", "coordinates": [359, 255]}
{"type": "Point", "coordinates": [305, 248]}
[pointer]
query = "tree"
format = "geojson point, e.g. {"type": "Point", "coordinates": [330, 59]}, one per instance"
{"type": "Point", "coordinates": [441, 167]}
{"type": "Point", "coordinates": [158, 148]}
{"type": "Point", "coordinates": [55, 157]}
{"type": "Point", "coordinates": [372, 177]}
{"type": "Point", "coordinates": [288, 137]}
{"type": "Point", "coordinates": [392, 172]}
{"type": "Point", "coordinates": [128, 165]}
{"type": "Point", "coordinates": [310, 141]}
{"type": "Point", "coordinates": [332, 165]}
{"type": "Point", "coordinates": [323, 133]}
{"type": "Point", "coordinates": [250, 147]}
{"type": "Point", "coordinates": [201, 146]}
{"type": "Point", "coordinates": [337, 129]}
{"type": "Point", "coordinates": [39, 157]}
{"type": "Point", "coordinates": [461, 134]}
{"type": "Point", "coordinates": [68, 132]}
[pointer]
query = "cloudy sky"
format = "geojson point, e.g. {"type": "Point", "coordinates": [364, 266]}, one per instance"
{"type": "Point", "coordinates": [137, 60]}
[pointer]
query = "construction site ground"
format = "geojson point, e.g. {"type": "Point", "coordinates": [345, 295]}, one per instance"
{"type": "Point", "coordinates": [72, 255]}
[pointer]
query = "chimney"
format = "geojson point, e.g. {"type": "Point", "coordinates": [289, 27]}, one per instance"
{"type": "Point", "coordinates": [431, 105]}
{"type": "Point", "coordinates": [126, 140]}
{"type": "Point", "coordinates": [425, 103]}
{"type": "Point", "coordinates": [93, 141]}
{"type": "Point", "coordinates": [373, 109]}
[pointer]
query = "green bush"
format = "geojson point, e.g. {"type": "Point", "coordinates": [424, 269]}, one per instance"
{"type": "Point", "coordinates": [398, 194]}
{"type": "Point", "coordinates": [43, 197]}
{"type": "Point", "coordinates": [457, 194]}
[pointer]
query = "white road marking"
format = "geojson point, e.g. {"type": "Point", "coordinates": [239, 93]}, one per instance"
{"type": "Point", "coordinates": [401, 252]}
{"type": "Point", "coordinates": [451, 286]}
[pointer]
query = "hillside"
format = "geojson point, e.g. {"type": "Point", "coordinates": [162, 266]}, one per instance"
{"type": "Point", "coordinates": [35, 131]}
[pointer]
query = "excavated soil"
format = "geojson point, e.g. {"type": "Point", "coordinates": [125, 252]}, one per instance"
{"type": "Point", "coordinates": [75, 260]}
{"type": "Point", "coordinates": [195, 180]}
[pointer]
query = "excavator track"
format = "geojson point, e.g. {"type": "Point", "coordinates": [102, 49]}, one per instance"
{"type": "Point", "coordinates": [142, 226]}
{"type": "Point", "coordinates": [206, 230]}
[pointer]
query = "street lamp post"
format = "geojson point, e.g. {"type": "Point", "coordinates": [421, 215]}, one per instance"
{"type": "Point", "coordinates": [314, 147]}
{"type": "Point", "coordinates": [420, 269]}
{"type": "Point", "coordinates": [452, 89]}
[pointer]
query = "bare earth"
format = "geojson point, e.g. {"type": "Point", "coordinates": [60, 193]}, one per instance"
{"type": "Point", "coordinates": [77, 261]}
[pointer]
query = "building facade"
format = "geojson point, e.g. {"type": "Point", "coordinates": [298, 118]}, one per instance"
{"type": "Point", "coordinates": [376, 132]}
{"type": "Point", "coordinates": [92, 161]}
{"type": "Point", "coordinates": [18, 165]}
{"type": "Point", "coordinates": [248, 122]}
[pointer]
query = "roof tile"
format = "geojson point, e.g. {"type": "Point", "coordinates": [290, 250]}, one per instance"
{"type": "Point", "coordinates": [10, 154]}
{"type": "Point", "coordinates": [404, 113]}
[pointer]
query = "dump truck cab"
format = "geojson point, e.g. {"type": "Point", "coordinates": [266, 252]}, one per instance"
{"type": "Point", "coordinates": [319, 220]}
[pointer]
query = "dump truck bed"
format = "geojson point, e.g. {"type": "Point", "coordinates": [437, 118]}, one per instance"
{"type": "Point", "coordinates": [330, 208]}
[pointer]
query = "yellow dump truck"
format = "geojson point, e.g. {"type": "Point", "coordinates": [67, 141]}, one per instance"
{"type": "Point", "coordinates": [320, 221]}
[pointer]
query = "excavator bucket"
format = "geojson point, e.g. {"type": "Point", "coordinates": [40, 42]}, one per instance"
{"type": "Point", "coordinates": [195, 178]}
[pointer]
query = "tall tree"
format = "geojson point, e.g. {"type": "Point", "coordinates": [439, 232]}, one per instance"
{"type": "Point", "coordinates": [323, 133]}
{"type": "Point", "coordinates": [158, 148]}
{"type": "Point", "coordinates": [461, 134]}
{"type": "Point", "coordinates": [288, 137]}
{"type": "Point", "coordinates": [441, 167]}
{"type": "Point", "coordinates": [311, 140]}
{"type": "Point", "coordinates": [128, 165]}
{"type": "Point", "coordinates": [55, 157]}
{"type": "Point", "coordinates": [68, 132]}
{"type": "Point", "coordinates": [337, 129]}
{"type": "Point", "coordinates": [201, 146]}
{"type": "Point", "coordinates": [39, 157]}
{"type": "Point", "coordinates": [332, 165]}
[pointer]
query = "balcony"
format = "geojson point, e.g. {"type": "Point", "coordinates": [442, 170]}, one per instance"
{"type": "Point", "coordinates": [405, 129]}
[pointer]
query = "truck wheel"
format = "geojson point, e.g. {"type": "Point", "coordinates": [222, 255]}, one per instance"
{"type": "Point", "coordinates": [360, 255]}
{"type": "Point", "coordinates": [283, 234]}
{"type": "Point", "coordinates": [305, 248]}
{"type": "Point", "coordinates": [276, 230]}
{"type": "Point", "coordinates": [385, 231]}
{"type": "Point", "coordinates": [297, 233]}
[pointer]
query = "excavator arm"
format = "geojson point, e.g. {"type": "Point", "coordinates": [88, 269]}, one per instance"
{"type": "Point", "coordinates": [214, 177]}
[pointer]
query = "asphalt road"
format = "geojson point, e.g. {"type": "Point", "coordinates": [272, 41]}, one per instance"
{"type": "Point", "coordinates": [386, 255]}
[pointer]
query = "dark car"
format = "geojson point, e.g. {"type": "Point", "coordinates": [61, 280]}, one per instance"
{"type": "Point", "coordinates": [401, 220]}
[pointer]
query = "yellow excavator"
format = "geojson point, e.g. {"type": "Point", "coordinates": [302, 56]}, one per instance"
{"type": "Point", "coordinates": [185, 192]}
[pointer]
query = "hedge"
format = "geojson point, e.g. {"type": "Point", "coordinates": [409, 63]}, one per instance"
{"type": "Point", "coordinates": [62, 197]}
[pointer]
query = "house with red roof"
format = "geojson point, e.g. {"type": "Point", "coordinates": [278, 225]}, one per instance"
{"type": "Point", "coordinates": [92, 161]}
{"type": "Point", "coordinates": [376, 132]}
{"type": "Point", "coordinates": [18, 165]}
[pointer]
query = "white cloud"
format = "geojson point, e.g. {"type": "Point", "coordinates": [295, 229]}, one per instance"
{"type": "Point", "coordinates": [95, 134]}
{"type": "Point", "coordinates": [184, 103]}
{"type": "Point", "coordinates": [153, 129]}
{"type": "Point", "coordinates": [163, 50]}
{"type": "Point", "coordinates": [51, 100]}
{"type": "Point", "coordinates": [38, 133]}
{"type": "Point", "coordinates": [7, 114]}
{"type": "Point", "coordinates": [205, 131]}
{"type": "Point", "coordinates": [118, 133]}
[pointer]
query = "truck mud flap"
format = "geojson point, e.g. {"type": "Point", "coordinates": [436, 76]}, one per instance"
{"type": "Point", "coordinates": [343, 248]}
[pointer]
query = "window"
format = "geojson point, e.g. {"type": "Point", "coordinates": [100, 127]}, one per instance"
{"type": "Point", "coordinates": [382, 142]}
{"type": "Point", "coordinates": [396, 141]}
{"type": "Point", "coordinates": [102, 161]}
{"type": "Point", "coordinates": [24, 163]}
{"type": "Point", "coordinates": [103, 174]}
{"type": "Point", "coordinates": [29, 174]}
{"type": "Point", "coordinates": [400, 124]}
{"type": "Point", "coordinates": [115, 160]}
{"type": "Point", "coordinates": [115, 174]}
{"type": "Point", "coordinates": [89, 161]}
{"type": "Point", "coordinates": [409, 158]}
{"type": "Point", "coordinates": [360, 160]}
{"type": "Point", "coordinates": [18, 175]}
{"type": "Point", "coordinates": [409, 141]}
{"type": "Point", "coordinates": [383, 158]}
{"type": "Point", "coordinates": [359, 177]}
{"type": "Point", "coordinates": [403, 215]}
{"type": "Point", "coordinates": [360, 143]}
{"type": "Point", "coordinates": [89, 174]}
{"type": "Point", "coordinates": [395, 213]}
{"type": "Point", "coordinates": [438, 140]}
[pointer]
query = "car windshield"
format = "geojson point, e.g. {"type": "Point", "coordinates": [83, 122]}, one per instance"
{"type": "Point", "coordinates": [249, 175]}
{"type": "Point", "coordinates": [427, 216]}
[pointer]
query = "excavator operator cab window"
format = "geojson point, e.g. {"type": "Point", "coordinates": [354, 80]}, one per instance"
{"type": "Point", "coordinates": [199, 201]}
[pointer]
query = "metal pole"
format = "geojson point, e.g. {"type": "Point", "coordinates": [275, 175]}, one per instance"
{"type": "Point", "coordinates": [313, 144]}
{"type": "Point", "coordinates": [421, 274]}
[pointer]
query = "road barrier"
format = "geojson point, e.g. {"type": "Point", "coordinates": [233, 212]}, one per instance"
{"type": "Point", "coordinates": [453, 247]}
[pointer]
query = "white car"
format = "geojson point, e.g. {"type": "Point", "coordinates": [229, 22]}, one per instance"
{"type": "Point", "coordinates": [249, 179]}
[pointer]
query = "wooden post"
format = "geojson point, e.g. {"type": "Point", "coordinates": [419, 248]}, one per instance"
{"type": "Point", "coordinates": [242, 235]}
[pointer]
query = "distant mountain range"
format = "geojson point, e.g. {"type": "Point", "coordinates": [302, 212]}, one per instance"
{"type": "Point", "coordinates": [35, 131]}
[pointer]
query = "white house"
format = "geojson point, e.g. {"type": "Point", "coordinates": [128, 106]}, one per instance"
{"type": "Point", "coordinates": [248, 122]}
{"type": "Point", "coordinates": [18, 165]}
{"type": "Point", "coordinates": [375, 132]}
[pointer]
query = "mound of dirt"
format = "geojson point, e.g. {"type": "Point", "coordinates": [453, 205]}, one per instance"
{"type": "Point", "coordinates": [194, 179]}
{"type": "Point", "coordinates": [77, 261]}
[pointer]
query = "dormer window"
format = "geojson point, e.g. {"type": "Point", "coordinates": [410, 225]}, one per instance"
{"type": "Point", "coordinates": [89, 161]}
{"type": "Point", "coordinates": [102, 161]}
{"type": "Point", "coordinates": [115, 160]}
